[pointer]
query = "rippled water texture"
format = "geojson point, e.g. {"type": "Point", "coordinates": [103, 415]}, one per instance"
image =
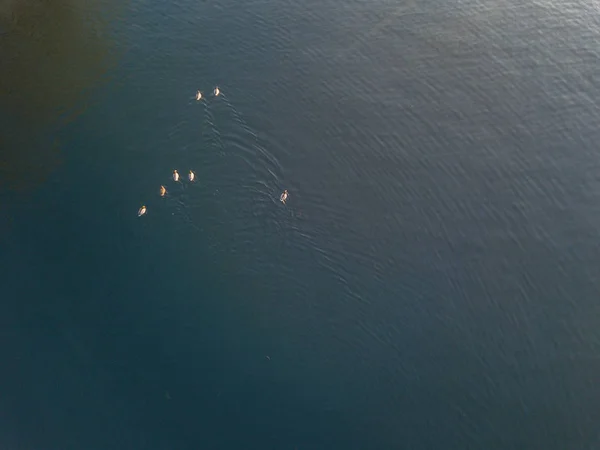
{"type": "Point", "coordinates": [431, 282]}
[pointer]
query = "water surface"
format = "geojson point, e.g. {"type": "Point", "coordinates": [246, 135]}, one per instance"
{"type": "Point", "coordinates": [431, 283]}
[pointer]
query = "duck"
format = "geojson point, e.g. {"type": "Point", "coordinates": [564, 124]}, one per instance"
{"type": "Point", "coordinates": [284, 196]}
{"type": "Point", "coordinates": [198, 95]}
{"type": "Point", "coordinates": [142, 211]}
{"type": "Point", "coordinates": [217, 91]}
{"type": "Point", "coordinates": [191, 176]}
{"type": "Point", "coordinates": [162, 191]}
{"type": "Point", "coordinates": [175, 175]}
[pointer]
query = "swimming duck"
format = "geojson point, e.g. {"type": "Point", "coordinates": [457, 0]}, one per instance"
{"type": "Point", "coordinates": [284, 196]}
{"type": "Point", "coordinates": [142, 211]}
{"type": "Point", "coordinates": [217, 91]}
{"type": "Point", "coordinates": [191, 176]}
{"type": "Point", "coordinates": [198, 95]}
{"type": "Point", "coordinates": [162, 191]}
{"type": "Point", "coordinates": [175, 175]}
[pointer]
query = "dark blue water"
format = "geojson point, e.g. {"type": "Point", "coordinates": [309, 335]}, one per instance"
{"type": "Point", "coordinates": [432, 282]}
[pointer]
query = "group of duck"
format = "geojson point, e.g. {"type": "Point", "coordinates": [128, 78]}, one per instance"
{"type": "Point", "coordinates": [216, 93]}
{"type": "Point", "coordinates": [191, 175]}
{"type": "Point", "coordinates": [162, 191]}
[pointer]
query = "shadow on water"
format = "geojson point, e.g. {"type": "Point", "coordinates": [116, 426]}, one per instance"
{"type": "Point", "coordinates": [52, 54]}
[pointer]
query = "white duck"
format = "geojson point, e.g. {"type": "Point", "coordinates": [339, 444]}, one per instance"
{"type": "Point", "coordinates": [284, 196]}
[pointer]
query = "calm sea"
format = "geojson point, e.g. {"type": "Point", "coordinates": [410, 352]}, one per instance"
{"type": "Point", "coordinates": [431, 283]}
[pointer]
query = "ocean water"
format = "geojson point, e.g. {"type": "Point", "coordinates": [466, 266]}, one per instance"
{"type": "Point", "coordinates": [431, 283]}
